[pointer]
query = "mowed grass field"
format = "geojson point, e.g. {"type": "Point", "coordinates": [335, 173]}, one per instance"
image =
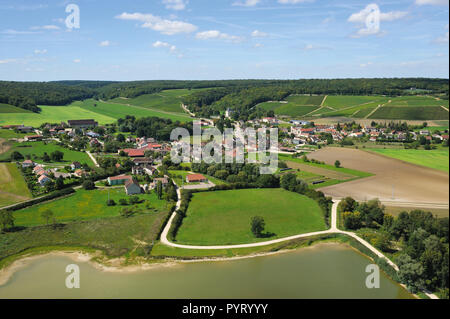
{"type": "Point", "coordinates": [294, 105]}
{"type": "Point", "coordinates": [224, 217]}
{"type": "Point", "coordinates": [115, 111]}
{"type": "Point", "coordinates": [168, 100]}
{"type": "Point", "coordinates": [166, 104]}
{"type": "Point", "coordinates": [85, 205]}
{"type": "Point", "coordinates": [13, 188]}
{"type": "Point", "coordinates": [6, 108]}
{"type": "Point", "coordinates": [53, 114]}
{"type": "Point", "coordinates": [39, 148]}
{"type": "Point", "coordinates": [437, 159]}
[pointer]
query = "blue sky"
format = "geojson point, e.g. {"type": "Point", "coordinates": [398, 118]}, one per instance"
{"type": "Point", "coordinates": [223, 39]}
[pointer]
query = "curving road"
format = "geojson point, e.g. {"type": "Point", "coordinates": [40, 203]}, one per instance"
{"type": "Point", "coordinates": [333, 230]}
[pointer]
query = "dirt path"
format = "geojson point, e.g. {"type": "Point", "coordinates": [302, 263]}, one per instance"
{"type": "Point", "coordinates": [444, 108]}
{"type": "Point", "coordinates": [376, 109]}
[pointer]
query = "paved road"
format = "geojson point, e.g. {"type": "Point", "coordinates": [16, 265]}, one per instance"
{"type": "Point", "coordinates": [333, 230]}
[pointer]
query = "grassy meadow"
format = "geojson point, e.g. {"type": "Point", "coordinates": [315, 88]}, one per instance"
{"type": "Point", "coordinates": [37, 149]}
{"type": "Point", "coordinates": [437, 159]}
{"type": "Point", "coordinates": [285, 214]}
{"type": "Point", "coordinates": [13, 188]}
{"type": "Point", "coordinates": [168, 100]}
{"type": "Point", "coordinates": [85, 205]}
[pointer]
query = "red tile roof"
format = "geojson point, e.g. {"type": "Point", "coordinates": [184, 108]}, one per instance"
{"type": "Point", "coordinates": [196, 178]}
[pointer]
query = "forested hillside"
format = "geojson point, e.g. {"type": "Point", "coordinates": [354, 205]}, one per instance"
{"type": "Point", "coordinates": [239, 95]}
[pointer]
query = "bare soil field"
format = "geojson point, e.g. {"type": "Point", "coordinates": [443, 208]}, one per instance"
{"type": "Point", "coordinates": [394, 180]}
{"type": "Point", "coordinates": [4, 146]}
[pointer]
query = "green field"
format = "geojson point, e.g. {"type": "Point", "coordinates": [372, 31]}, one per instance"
{"type": "Point", "coordinates": [165, 105]}
{"type": "Point", "coordinates": [116, 111]}
{"type": "Point", "coordinates": [13, 188]}
{"type": "Point", "coordinates": [7, 134]}
{"type": "Point", "coordinates": [84, 205]}
{"type": "Point", "coordinates": [39, 148]}
{"type": "Point", "coordinates": [410, 113]}
{"type": "Point", "coordinates": [115, 236]}
{"type": "Point", "coordinates": [168, 100]}
{"type": "Point", "coordinates": [344, 101]}
{"type": "Point", "coordinates": [437, 159]}
{"type": "Point", "coordinates": [417, 101]}
{"type": "Point", "coordinates": [6, 108]}
{"type": "Point", "coordinates": [297, 105]}
{"type": "Point", "coordinates": [224, 217]}
{"type": "Point", "coordinates": [53, 114]}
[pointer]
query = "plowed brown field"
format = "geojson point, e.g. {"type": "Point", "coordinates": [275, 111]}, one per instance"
{"type": "Point", "coordinates": [393, 180]}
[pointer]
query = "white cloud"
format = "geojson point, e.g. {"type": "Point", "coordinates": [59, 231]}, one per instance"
{"type": "Point", "coordinates": [46, 27]}
{"type": "Point", "coordinates": [6, 61]}
{"type": "Point", "coordinates": [258, 45]}
{"type": "Point", "coordinates": [363, 65]}
{"type": "Point", "coordinates": [259, 34]}
{"type": "Point", "coordinates": [246, 3]}
{"type": "Point", "coordinates": [168, 27]}
{"type": "Point", "coordinates": [44, 51]}
{"type": "Point", "coordinates": [159, 44]}
{"type": "Point", "coordinates": [432, 2]}
{"type": "Point", "coordinates": [369, 18]}
{"type": "Point", "coordinates": [310, 47]}
{"type": "Point", "coordinates": [293, 1]}
{"type": "Point", "coordinates": [175, 4]}
{"type": "Point", "coordinates": [105, 43]}
{"type": "Point", "coordinates": [172, 48]}
{"type": "Point", "coordinates": [214, 34]}
{"type": "Point", "coordinates": [76, 61]}
{"type": "Point", "coordinates": [16, 32]}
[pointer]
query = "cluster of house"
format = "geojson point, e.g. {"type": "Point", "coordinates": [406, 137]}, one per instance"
{"type": "Point", "coordinates": [313, 135]}
{"type": "Point", "coordinates": [56, 130]}
{"type": "Point", "coordinates": [132, 186]}
{"type": "Point", "coordinates": [144, 145]}
{"type": "Point", "coordinates": [43, 175]}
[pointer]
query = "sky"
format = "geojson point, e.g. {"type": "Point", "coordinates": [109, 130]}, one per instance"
{"type": "Point", "coordinates": [222, 39]}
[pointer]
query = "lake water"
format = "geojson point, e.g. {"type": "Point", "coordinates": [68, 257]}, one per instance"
{"type": "Point", "coordinates": [324, 271]}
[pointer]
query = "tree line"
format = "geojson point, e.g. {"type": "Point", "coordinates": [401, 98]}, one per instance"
{"type": "Point", "coordinates": [28, 95]}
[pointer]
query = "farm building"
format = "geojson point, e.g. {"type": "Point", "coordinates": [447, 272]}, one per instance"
{"type": "Point", "coordinates": [28, 163]}
{"type": "Point", "coordinates": [119, 180]}
{"type": "Point", "coordinates": [81, 124]}
{"type": "Point", "coordinates": [196, 178]}
{"type": "Point", "coordinates": [132, 187]}
{"type": "Point", "coordinates": [33, 138]}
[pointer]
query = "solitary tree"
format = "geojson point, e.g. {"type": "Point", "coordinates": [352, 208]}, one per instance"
{"type": "Point", "coordinates": [337, 164]}
{"type": "Point", "coordinates": [47, 214]}
{"type": "Point", "coordinates": [6, 219]}
{"type": "Point", "coordinates": [57, 156]}
{"type": "Point", "coordinates": [258, 225]}
{"type": "Point", "coordinates": [16, 156]}
{"type": "Point", "coordinates": [88, 185]}
{"type": "Point", "coordinates": [159, 189]}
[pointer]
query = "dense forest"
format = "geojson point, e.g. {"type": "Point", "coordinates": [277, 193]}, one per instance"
{"type": "Point", "coordinates": [239, 95]}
